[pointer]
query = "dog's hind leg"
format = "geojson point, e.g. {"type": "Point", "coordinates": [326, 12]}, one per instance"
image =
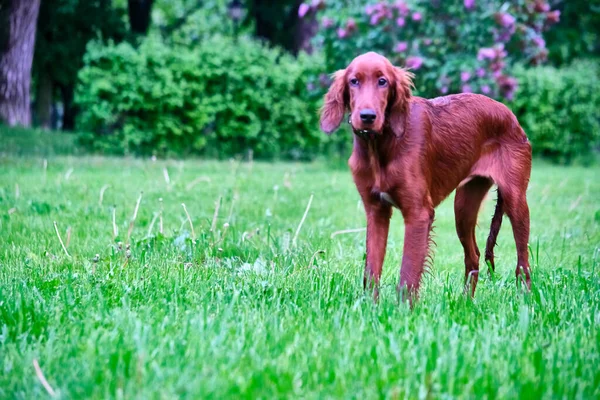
{"type": "Point", "coordinates": [466, 207]}
{"type": "Point", "coordinates": [513, 188]}
{"type": "Point", "coordinates": [518, 212]}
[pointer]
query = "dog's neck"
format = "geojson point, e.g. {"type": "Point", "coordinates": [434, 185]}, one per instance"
{"type": "Point", "coordinates": [377, 146]}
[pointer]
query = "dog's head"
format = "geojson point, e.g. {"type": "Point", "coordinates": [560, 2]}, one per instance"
{"type": "Point", "coordinates": [374, 91]}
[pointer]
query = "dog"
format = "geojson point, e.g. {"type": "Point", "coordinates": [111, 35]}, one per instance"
{"type": "Point", "coordinates": [411, 153]}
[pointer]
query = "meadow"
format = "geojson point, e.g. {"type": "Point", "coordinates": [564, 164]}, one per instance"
{"type": "Point", "coordinates": [116, 290]}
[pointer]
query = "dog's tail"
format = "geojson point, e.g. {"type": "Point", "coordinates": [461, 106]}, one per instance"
{"type": "Point", "coordinates": [494, 229]}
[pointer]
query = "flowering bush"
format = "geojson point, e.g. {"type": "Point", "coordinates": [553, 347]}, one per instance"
{"type": "Point", "coordinates": [455, 46]}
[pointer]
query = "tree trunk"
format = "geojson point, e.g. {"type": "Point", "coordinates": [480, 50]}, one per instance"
{"type": "Point", "coordinates": [139, 15]}
{"type": "Point", "coordinates": [18, 19]}
{"type": "Point", "coordinates": [43, 100]}
{"type": "Point", "coordinates": [69, 109]}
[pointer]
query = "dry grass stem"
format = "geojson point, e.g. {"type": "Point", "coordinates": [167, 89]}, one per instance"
{"type": "Point", "coordinates": [190, 221]}
{"type": "Point", "coordinates": [213, 225]}
{"type": "Point", "coordinates": [294, 241]}
{"type": "Point", "coordinates": [166, 175]}
{"type": "Point", "coordinates": [60, 240]}
{"type": "Point", "coordinates": [135, 213]}
{"type": "Point", "coordinates": [230, 213]}
{"type": "Point", "coordinates": [345, 231]}
{"type": "Point", "coordinates": [102, 190]}
{"type": "Point", "coordinates": [69, 230]}
{"type": "Point", "coordinates": [197, 181]}
{"type": "Point", "coordinates": [42, 378]}
{"type": "Point", "coordinates": [575, 203]}
{"type": "Point", "coordinates": [160, 218]}
{"type": "Point", "coordinates": [114, 223]}
{"type": "Point", "coordinates": [154, 218]}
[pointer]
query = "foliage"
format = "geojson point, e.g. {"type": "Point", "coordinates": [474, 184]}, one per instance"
{"type": "Point", "coordinates": [244, 314]}
{"type": "Point", "coordinates": [220, 98]}
{"type": "Point", "coordinates": [455, 46]}
{"type": "Point", "coordinates": [558, 108]}
{"type": "Point", "coordinates": [189, 22]}
{"type": "Point", "coordinates": [64, 29]}
{"type": "Point", "coordinates": [577, 33]}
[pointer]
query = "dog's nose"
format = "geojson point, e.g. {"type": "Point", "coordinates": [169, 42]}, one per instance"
{"type": "Point", "coordinates": [367, 116]}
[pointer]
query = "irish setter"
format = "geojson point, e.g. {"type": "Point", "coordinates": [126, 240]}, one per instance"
{"type": "Point", "coordinates": [411, 153]}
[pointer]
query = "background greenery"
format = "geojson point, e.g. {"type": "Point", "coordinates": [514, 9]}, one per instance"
{"type": "Point", "coordinates": [223, 97]}
{"type": "Point", "coordinates": [195, 82]}
{"type": "Point", "coordinates": [558, 108]}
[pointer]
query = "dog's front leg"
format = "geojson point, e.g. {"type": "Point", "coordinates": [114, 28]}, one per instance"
{"type": "Point", "coordinates": [417, 224]}
{"type": "Point", "coordinates": [378, 223]}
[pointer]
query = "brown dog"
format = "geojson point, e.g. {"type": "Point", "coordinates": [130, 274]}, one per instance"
{"type": "Point", "coordinates": [411, 153]}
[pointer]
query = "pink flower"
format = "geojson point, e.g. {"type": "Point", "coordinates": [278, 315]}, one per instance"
{"type": "Point", "coordinates": [414, 62]}
{"type": "Point", "coordinates": [402, 8]}
{"type": "Point", "coordinates": [539, 42]}
{"type": "Point", "coordinates": [324, 80]}
{"type": "Point", "coordinates": [303, 10]}
{"type": "Point", "coordinates": [497, 66]}
{"type": "Point", "coordinates": [327, 22]}
{"type": "Point", "coordinates": [444, 89]}
{"type": "Point", "coordinates": [466, 89]}
{"type": "Point", "coordinates": [541, 6]}
{"type": "Point", "coordinates": [553, 17]}
{"type": "Point", "coordinates": [400, 21]}
{"type": "Point", "coordinates": [486, 53]}
{"type": "Point", "coordinates": [375, 18]}
{"type": "Point", "coordinates": [469, 4]}
{"type": "Point", "coordinates": [401, 47]}
{"type": "Point", "coordinates": [480, 72]}
{"type": "Point", "coordinates": [507, 85]}
{"type": "Point", "coordinates": [505, 20]}
{"type": "Point", "coordinates": [417, 16]}
{"type": "Point", "coordinates": [485, 89]}
{"type": "Point", "coordinates": [427, 41]}
{"type": "Point", "coordinates": [342, 33]}
{"type": "Point", "coordinates": [465, 76]}
{"type": "Point", "coordinates": [351, 25]}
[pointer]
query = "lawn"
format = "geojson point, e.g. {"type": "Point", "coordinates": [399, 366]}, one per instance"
{"type": "Point", "coordinates": [250, 304]}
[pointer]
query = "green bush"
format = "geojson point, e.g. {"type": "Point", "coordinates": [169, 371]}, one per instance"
{"type": "Point", "coordinates": [220, 98]}
{"type": "Point", "coordinates": [558, 109]}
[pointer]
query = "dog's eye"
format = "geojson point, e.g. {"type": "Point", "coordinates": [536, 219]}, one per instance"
{"type": "Point", "coordinates": [382, 82]}
{"type": "Point", "coordinates": [354, 82]}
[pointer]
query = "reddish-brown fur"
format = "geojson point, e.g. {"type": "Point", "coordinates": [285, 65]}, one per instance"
{"type": "Point", "coordinates": [416, 152]}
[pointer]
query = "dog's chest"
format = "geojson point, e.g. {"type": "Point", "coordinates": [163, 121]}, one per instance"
{"type": "Point", "coordinates": [374, 174]}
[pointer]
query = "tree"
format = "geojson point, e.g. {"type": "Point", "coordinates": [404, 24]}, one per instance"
{"type": "Point", "coordinates": [140, 13]}
{"type": "Point", "coordinates": [276, 22]}
{"type": "Point", "coordinates": [18, 20]}
{"type": "Point", "coordinates": [64, 29]}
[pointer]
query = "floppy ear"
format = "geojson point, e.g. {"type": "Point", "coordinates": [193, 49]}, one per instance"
{"type": "Point", "coordinates": [335, 103]}
{"type": "Point", "coordinates": [401, 94]}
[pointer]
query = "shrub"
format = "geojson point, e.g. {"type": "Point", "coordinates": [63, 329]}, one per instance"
{"type": "Point", "coordinates": [220, 98]}
{"type": "Point", "coordinates": [558, 109]}
{"type": "Point", "coordinates": [455, 46]}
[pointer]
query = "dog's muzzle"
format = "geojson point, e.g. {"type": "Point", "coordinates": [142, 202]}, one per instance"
{"type": "Point", "coordinates": [366, 134]}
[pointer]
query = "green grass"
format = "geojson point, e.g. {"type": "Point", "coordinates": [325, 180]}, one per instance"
{"type": "Point", "coordinates": [36, 142]}
{"type": "Point", "coordinates": [243, 312]}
